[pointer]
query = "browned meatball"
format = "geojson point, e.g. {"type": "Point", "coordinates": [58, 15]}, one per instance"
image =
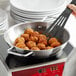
{"type": "Point", "coordinates": [41, 46]}
{"type": "Point", "coordinates": [48, 47]}
{"type": "Point", "coordinates": [20, 45]}
{"type": "Point", "coordinates": [19, 40]}
{"type": "Point", "coordinates": [51, 40]}
{"type": "Point", "coordinates": [26, 36]}
{"type": "Point", "coordinates": [55, 44]}
{"type": "Point", "coordinates": [42, 40]}
{"type": "Point", "coordinates": [31, 44]}
{"type": "Point", "coordinates": [42, 36]}
{"type": "Point", "coordinates": [35, 33]}
{"type": "Point", "coordinates": [35, 48]}
{"type": "Point", "coordinates": [33, 38]}
{"type": "Point", "coordinates": [28, 31]}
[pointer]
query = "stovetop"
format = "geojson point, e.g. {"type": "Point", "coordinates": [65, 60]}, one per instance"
{"type": "Point", "coordinates": [14, 61]}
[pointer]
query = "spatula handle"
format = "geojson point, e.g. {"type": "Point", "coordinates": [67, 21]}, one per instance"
{"type": "Point", "coordinates": [73, 2]}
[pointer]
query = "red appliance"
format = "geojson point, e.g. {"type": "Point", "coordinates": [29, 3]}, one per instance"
{"type": "Point", "coordinates": [50, 70]}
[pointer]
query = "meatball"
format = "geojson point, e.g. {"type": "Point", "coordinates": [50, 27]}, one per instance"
{"type": "Point", "coordinates": [26, 48]}
{"type": "Point", "coordinates": [48, 47]}
{"type": "Point", "coordinates": [42, 36]}
{"type": "Point", "coordinates": [42, 40]}
{"type": "Point", "coordinates": [28, 31]}
{"type": "Point", "coordinates": [35, 33]}
{"type": "Point", "coordinates": [33, 38]}
{"type": "Point", "coordinates": [51, 40]}
{"type": "Point", "coordinates": [20, 45]}
{"type": "Point", "coordinates": [31, 44]}
{"type": "Point", "coordinates": [35, 48]}
{"type": "Point", "coordinates": [41, 46]}
{"type": "Point", "coordinates": [55, 44]}
{"type": "Point", "coordinates": [19, 40]}
{"type": "Point", "coordinates": [25, 36]}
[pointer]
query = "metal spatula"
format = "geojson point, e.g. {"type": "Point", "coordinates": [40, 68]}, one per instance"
{"type": "Point", "coordinates": [60, 22]}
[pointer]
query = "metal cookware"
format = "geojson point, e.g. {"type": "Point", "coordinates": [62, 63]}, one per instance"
{"type": "Point", "coordinates": [15, 31]}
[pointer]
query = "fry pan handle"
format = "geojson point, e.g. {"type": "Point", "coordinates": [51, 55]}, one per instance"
{"type": "Point", "coordinates": [14, 53]}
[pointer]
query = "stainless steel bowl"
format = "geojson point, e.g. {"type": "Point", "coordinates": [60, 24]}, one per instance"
{"type": "Point", "coordinates": [16, 30]}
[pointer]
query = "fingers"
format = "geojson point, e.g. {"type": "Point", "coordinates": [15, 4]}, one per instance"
{"type": "Point", "coordinates": [73, 8]}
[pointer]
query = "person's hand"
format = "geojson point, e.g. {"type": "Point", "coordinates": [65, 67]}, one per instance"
{"type": "Point", "coordinates": [73, 8]}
